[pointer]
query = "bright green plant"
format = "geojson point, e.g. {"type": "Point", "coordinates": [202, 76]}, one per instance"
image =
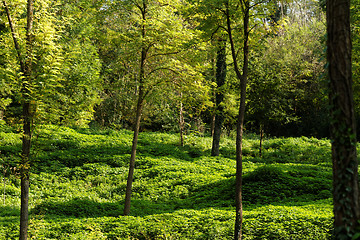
{"type": "Point", "coordinates": [79, 180]}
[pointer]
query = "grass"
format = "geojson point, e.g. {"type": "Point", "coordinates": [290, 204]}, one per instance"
{"type": "Point", "coordinates": [79, 176]}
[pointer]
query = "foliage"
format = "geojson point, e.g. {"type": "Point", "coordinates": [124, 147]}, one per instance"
{"type": "Point", "coordinates": [79, 179]}
{"type": "Point", "coordinates": [147, 45]}
{"type": "Point", "coordinates": [65, 69]}
{"type": "Point", "coordinates": [355, 30]}
{"type": "Point", "coordinates": [45, 51]}
{"type": "Point", "coordinates": [285, 79]}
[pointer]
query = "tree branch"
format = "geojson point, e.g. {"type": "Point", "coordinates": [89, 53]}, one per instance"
{"type": "Point", "coordinates": [232, 44]}
{"type": "Point", "coordinates": [16, 43]}
{"type": "Point", "coordinates": [161, 68]}
{"type": "Point", "coordinates": [163, 54]}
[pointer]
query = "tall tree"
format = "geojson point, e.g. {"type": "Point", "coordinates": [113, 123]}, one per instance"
{"type": "Point", "coordinates": [230, 12]}
{"type": "Point", "coordinates": [211, 23]}
{"type": "Point", "coordinates": [151, 38]}
{"type": "Point", "coordinates": [343, 129]}
{"type": "Point", "coordinates": [66, 59]}
{"type": "Point", "coordinates": [219, 95]}
{"type": "Point", "coordinates": [28, 113]}
{"type": "Point", "coordinates": [35, 63]}
{"type": "Point", "coordinates": [225, 15]}
{"type": "Point", "coordinates": [243, 77]}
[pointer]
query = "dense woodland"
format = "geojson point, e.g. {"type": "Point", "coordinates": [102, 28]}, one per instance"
{"type": "Point", "coordinates": [218, 104]}
{"type": "Point", "coordinates": [87, 65]}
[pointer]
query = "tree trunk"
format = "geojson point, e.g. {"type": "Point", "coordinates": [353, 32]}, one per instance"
{"type": "Point", "coordinates": [181, 123]}
{"type": "Point", "coordinates": [24, 171]}
{"type": "Point", "coordinates": [219, 113]}
{"type": "Point", "coordinates": [4, 179]}
{"type": "Point", "coordinates": [240, 121]}
{"type": "Point", "coordinates": [138, 117]}
{"type": "Point", "coordinates": [28, 112]}
{"type": "Point", "coordinates": [261, 138]}
{"type": "Point", "coordinates": [133, 154]}
{"type": "Point", "coordinates": [212, 127]}
{"type": "Point", "coordinates": [343, 129]}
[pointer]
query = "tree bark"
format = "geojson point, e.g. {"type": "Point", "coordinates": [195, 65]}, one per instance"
{"type": "Point", "coordinates": [28, 112]}
{"type": "Point", "coordinates": [343, 129]}
{"type": "Point", "coordinates": [24, 171]}
{"type": "Point", "coordinates": [4, 181]}
{"type": "Point", "coordinates": [181, 122]}
{"type": "Point", "coordinates": [213, 115]}
{"type": "Point", "coordinates": [139, 106]}
{"type": "Point", "coordinates": [261, 138]}
{"type": "Point", "coordinates": [240, 121]}
{"type": "Point", "coordinates": [219, 96]}
{"type": "Point", "coordinates": [133, 154]}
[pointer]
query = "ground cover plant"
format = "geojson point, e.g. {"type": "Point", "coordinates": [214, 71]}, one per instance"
{"type": "Point", "coordinates": [79, 178]}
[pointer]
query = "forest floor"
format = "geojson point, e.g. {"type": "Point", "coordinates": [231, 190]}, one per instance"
{"type": "Point", "coordinates": [78, 181]}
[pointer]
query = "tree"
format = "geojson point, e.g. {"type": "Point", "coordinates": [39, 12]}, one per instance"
{"type": "Point", "coordinates": [68, 61]}
{"type": "Point", "coordinates": [343, 129]}
{"type": "Point", "coordinates": [219, 96]}
{"type": "Point", "coordinates": [211, 23]}
{"type": "Point", "coordinates": [151, 38]}
{"type": "Point", "coordinates": [34, 73]}
{"type": "Point", "coordinates": [224, 15]}
{"type": "Point", "coordinates": [243, 77]}
{"type": "Point", "coordinates": [28, 113]}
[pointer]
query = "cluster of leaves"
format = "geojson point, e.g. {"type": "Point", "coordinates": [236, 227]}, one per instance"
{"type": "Point", "coordinates": [65, 78]}
{"type": "Point", "coordinates": [79, 178]}
{"type": "Point", "coordinates": [286, 74]}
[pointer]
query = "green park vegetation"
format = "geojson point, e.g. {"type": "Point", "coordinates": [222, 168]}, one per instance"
{"type": "Point", "coordinates": [78, 182]}
{"type": "Point", "coordinates": [170, 119]}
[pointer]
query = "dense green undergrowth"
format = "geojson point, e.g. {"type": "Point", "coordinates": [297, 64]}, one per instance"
{"type": "Point", "coordinates": [78, 184]}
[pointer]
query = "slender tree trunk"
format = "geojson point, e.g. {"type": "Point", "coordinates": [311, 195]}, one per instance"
{"type": "Point", "coordinates": [261, 138]}
{"type": "Point", "coordinates": [133, 154]}
{"type": "Point", "coordinates": [240, 121]}
{"type": "Point", "coordinates": [24, 171]}
{"type": "Point", "coordinates": [139, 107]}
{"type": "Point", "coordinates": [4, 179]}
{"type": "Point", "coordinates": [181, 122]}
{"type": "Point", "coordinates": [219, 97]}
{"type": "Point", "coordinates": [212, 128]}
{"type": "Point", "coordinates": [28, 112]}
{"type": "Point", "coordinates": [343, 129]}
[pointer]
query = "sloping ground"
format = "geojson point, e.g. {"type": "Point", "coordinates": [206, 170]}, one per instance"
{"type": "Point", "coordinates": [79, 178]}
